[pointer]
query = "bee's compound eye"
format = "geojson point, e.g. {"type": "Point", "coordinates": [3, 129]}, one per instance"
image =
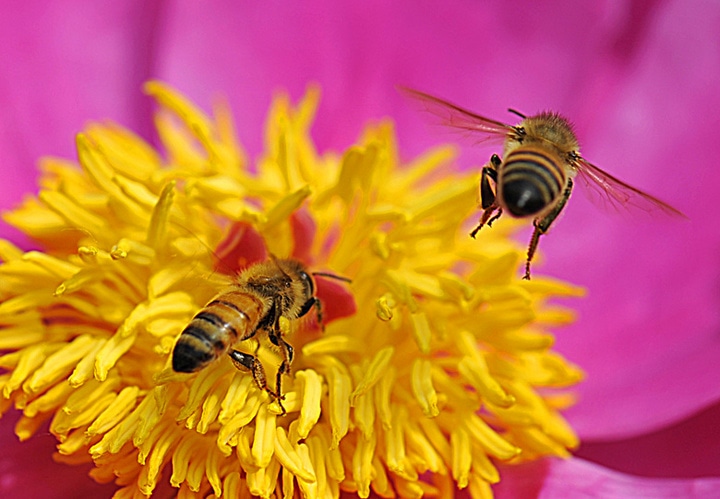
{"type": "Point", "coordinates": [308, 282]}
{"type": "Point", "coordinates": [523, 198]}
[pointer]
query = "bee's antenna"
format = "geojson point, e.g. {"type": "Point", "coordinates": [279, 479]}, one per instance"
{"type": "Point", "coordinates": [514, 111]}
{"type": "Point", "coordinates": [333, 276]}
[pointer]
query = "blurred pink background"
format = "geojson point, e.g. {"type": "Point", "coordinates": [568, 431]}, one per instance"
{"type": "Point", "coordinates": [640, 79]}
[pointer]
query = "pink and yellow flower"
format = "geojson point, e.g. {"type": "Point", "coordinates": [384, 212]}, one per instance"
{"type": "Point", "coordinates": [637, 78]}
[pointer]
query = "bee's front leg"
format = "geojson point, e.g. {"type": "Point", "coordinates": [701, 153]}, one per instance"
{"type": "Point", "coordinates": [488, 198]}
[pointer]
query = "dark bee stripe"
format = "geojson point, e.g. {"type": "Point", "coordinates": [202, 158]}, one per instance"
{"type": "Point", "coordinates": [204, 334]}
{"type": "Point", "coordinates": [192, 351]}
{"type": "Point", "coordinates": [531, 179]}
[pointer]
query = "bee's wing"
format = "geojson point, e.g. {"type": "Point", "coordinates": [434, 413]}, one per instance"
{"type": "Point", "coordinates": [604, 189]}
{"type": "Point", "coordinates": [472, 125]}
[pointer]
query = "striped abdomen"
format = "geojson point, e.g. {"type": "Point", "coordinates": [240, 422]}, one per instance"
{"type": "Point", "coordinates": [230, 317]}
{"type": "Point", "coordinates": [530, 180]}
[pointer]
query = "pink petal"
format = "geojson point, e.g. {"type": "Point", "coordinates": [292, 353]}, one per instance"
{"type": "Point", "coordinates": [689, 449]}
{"type": "Point", "coordinates": [572, 478]}
{"type": "Point", "coordinates": [27, 470]}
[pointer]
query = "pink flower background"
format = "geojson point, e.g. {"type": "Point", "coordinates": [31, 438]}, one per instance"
{"type": "Point", "coordinates": [640, 79]}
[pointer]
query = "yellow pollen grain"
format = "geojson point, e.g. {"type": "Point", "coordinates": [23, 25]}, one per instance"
{"type": "Point", "coordinates": [88, 395]}
{"type": "Point", "coordinates": [423, 388]}
{"type": "Point", "coordinates": [95, 163]}
{"type": "Point", "coordinates": [382, 398]}
{"type": "Point", "coordinates": [395, 442]}
{"type": "Point", "coordinates": [181, 458]}
{"type": "Point", "coordinates": [199, 389]}
{"type": "Point", "coordinates": [332, 344]}
{"type": "Point", "coordinates": [28, 361]}
{"type": "Point", "coordinates": [421, 331]}
{"type": "Point", "coordinates": [136, 191]}
{"type": "Point", "coordinates": [308, 489]}
{"type": "Point", "coordinates": [479, 489]}
{"type": "Point", "coordinates": [231, 486]}
{"type": "Point", "coordinates": [50, 400]}
{"type": "Point", "coordinates": [264, 443]}
{"type": "Point", "coordinates": [316, 459]}
{"type": "Point", "coordinates": [364, 408]}
{"type": "Point", "coordinates": [20, 336]}
{"type": "Point", "coordinates": [475, 371]}
{"type": "Point", "coordinates": [83, 372]}
{"type": "Point", "coordinates": [9, 252]}
{"type": "Point", "coordinates": [53, 266]}
{"type": "Point", "coordinates": [409, 489]}
{"type": "Point", "coordinates": [73, 443]}
{"type": "Point", "coordinates": [196, 469]}
{"type": "Point", "coordinates": [385, 306]}
{"type": "Point", "coordinates": [111, 351]}
{"type": "Point", "coordinates": [241, 419]}
{"type": "Point", "coordinates": [29, 300]}
{"type": "Point", "coordinates": [310, 409]}
{"type": "Point", "coordinates": [339, 385]}
{"type": "Point", "coordinates": [212, 470]}
{"type": "Point", "coordinates": [483, 467]}
{"type": "Point", "coordinates": [60, 363]}
{"type": "Point", "coordinates": [71, 212]}
{"type": "Point", "coordinates": [289, 458]}
{"type": "Point", "coordinates": [419, 445]}
{"type": "Point", "coordinates": [375, 370]}
{"type": "Point", "coordinates": [380, 483]}
{"type": "Point", "coordinates": [362, 464]}
{"type": "Point", "coordinates": [461, 456]}
{"type": "Point", "coordinates": [286, 206]}
{"type": "Point", "coordinates": [211, 406]}
{"type": "Point", "coordinates": [187, 112]}
{"type": "Point", "coordinates": [157, 230]}
{"type": "Point", "coordinates": [235, 398]}
{"type": "Point", "coordinates": [243, 448]}
{"type": "Point", "coordinates": [115, 412]}
{"type": "Point", "coordinates": [481, 433]}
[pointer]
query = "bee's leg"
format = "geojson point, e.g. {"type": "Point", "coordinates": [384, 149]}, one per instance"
{"type": "Point", "coordinates": [543, 224]}
{"type": "Point", "coordinates": [488, 199]}
{"type": "Point", "coordinates": [245, 361]}
{"type": "Point", "coordinates": [288, 354]}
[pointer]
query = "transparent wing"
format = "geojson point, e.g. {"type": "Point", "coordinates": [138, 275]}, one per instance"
{"type": "Point", "coordinates": [606, 190]}
{"type": "Point", "coordinates": [474, 126]}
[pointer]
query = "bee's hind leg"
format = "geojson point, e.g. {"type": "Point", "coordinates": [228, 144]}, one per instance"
{"type": "Point", "coordinates": [543, 224]}
{"type": "Point", "coordinates": [247, 362]}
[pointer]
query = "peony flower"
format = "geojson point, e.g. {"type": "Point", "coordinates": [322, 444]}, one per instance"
{"type": "Point", "coordinates": [637, 78]}
{"type": "Point", "coordinates": [434, 363]}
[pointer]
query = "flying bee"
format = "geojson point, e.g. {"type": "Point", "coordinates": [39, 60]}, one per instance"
{"type": "Point", "coordinates": [535, 175]}
{"type": "Point", "coordinates": [262, 294]}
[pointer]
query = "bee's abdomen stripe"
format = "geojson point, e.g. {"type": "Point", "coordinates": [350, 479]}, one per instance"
{"type": "Point", "coordinates": [197, 336]}
{"type": "Point", "coordinates": [534, 166]}
{"type": "Point", "coordinates": [227, 304]}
